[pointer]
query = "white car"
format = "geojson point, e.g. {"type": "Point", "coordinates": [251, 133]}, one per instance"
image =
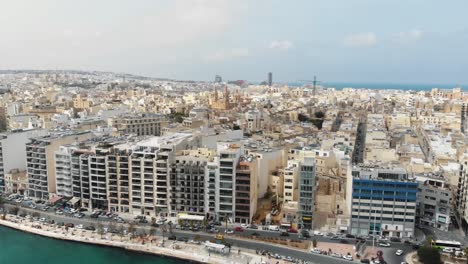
{"type": "Point", "coordinates": [79, 227]}
{"type": "Point", "coordinates": [316, 250]}
{"type": "Point", "coordinates": [229, 231]}
{"type": "Point", "coordinates": [348, 257]}
{"type": "Point", "coordinates": [382, 244]}
{"type": "Point", "coordinates": [318, 233]}
{"type": "Point", "coordinates": [244, 225]}
{"type": "Point", "coordinates": [399, 252]}
{"type": "Point", "coordinates": [42, 219]}
{"type": "Point", "coordinates": [447, 250]}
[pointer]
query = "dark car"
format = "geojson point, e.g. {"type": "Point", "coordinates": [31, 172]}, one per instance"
{"type": "Point", "coordinates": [69, 225]}
{"type": "Point", "coordinates": [365, 261]}
{"type": "Point", "coordinates": [350, 236]}
{"type": "Point", "coordinates": [143, 221]}
{"type": "Point", "coordinates": [183, 239]}
{"type": "Point", "coordinates": [395, 239]}
{"type": "Point", "coordinates": [284, 234]}
{"type": "Point", "coordinates": [172, 237]}
{"type": "Point", "coordinates": [344, 241]}
{"type": "Point", "coordinates": [90, 228]}
{"type": "Point", "coordinates": [255, 234]}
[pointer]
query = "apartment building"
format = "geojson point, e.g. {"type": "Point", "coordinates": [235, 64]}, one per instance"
{"type": "Point", "coordinates": [306, 204]}
{"type": "Point", "coordinates": [141, 125]}
{"type": "Point", "coordinates": [63, 167]}
{"type": "Point", "coordinates": [246, 189]}
{"type": "Point", "coordinates": [188, 181]}
{"type": "Point", "coordinates": [229, 154]}
{"type": "Point", "coordinates": [290, 177]}
{"type": "Point", "coordinates": [383, 201]}
{"type": "Point", "coordinates": [13, 151]}
{"type": "Point", "coordinates": [434, 202]}
{"type": "Point", "coordinates": [40, 161]}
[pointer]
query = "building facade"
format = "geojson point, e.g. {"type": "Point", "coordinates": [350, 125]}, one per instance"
{"type": "Point", "coordinates": [383, 202]}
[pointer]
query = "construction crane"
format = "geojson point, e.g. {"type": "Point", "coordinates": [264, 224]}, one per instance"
{"type": "Point", "coordinates": [314, 83]}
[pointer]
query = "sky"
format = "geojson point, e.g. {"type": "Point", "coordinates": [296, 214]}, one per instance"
{"type": "Point", "coordinates": [383, 41]}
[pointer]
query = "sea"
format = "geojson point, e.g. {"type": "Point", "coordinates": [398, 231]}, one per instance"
{"type": "Point", "coordinates": [17, 247]}
{"type": "Point", "coordinates": [381, 86]}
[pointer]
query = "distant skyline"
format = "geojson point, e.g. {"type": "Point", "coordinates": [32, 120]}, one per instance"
{"type": "Point", "coordinates": [355, 41]}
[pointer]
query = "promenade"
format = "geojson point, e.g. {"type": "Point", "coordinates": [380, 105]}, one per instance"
{"type": "Point", "coordinates": [148, 244]}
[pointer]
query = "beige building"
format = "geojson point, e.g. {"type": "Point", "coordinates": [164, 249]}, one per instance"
{"type": "Point", "coordinates": [81, 103]}
{"type": "Point", "coordinates": [40, 161]}
{"type": "Point", "coordinates": [16, 181]}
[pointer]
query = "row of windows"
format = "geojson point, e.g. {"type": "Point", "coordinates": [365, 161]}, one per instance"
{"type": "Point", "coordinates": [382, 212]}
{"type": "Point", "coordinates": [383, 219]}
{"type": "Point", "coordinates": [384, 205]}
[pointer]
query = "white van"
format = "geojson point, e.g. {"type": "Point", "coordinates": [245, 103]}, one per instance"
{"type": "Point", "coordinates": [273, 228]}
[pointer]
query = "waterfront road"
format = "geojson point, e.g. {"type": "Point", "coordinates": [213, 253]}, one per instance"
{"type": "Point", "coordinates": [235, 241]}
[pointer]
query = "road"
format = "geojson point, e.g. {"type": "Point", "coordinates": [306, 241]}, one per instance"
{"type": "Point", "coordinates": [235, 241]}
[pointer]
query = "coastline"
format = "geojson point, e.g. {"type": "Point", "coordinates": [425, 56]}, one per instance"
{"type": "Point", "coordinates": [139, 248]}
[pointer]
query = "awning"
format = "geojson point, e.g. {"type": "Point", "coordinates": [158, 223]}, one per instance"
{"type": "Point", "coordinates": [73, 201]}
{"type": "Point", "coordinates": [55, 199]}
{"type": "Point", "coordinates": [191, 217]}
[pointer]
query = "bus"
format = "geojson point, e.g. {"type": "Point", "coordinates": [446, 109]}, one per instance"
{"type": "Point", "coordinates": [441, 244]}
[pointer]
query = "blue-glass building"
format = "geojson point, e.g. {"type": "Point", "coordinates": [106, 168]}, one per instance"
{"type": "Point", "coordinates": [383, 202]}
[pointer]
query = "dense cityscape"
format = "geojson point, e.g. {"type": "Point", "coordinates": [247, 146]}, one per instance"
{"type": "Point", "coordinates": [320, 174]}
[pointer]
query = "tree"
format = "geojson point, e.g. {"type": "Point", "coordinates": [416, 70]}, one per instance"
{"type": "Point", "coordinates": [120, 231]}
{"type": "Point", "coordinates": [152, 231]}
{"type": "Point", "coordinates": [100, 229]}
{"type": "Point", "coordinates": [14, 210]}
{"type": "Point", "coordinates": [2, 202]}
{"type": "Point", "coordinates": [314, 243]}
{"type": "Point", "coordinates": [163, 230]}
{"type": "Point", "coordinates": [429, 255]}
{"type": "Point", "coordinates": [170, 227]}
{"type": "Point", "coordinates": [131, 229]}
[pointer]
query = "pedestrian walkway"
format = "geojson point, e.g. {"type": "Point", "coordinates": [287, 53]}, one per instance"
{"type": "Point", "coordinates": [148, 244]}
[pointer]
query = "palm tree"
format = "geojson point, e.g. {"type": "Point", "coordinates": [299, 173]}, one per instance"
{"type": "Point", "coordinates": [120, 232]}
{"type": "Point", "coordinates": [131, 229]}
{"type": "Point", "coordinates": [100, 229]}
{"type": "Point", "coordinates": [170, 227]}
{"type": "Point", "coordinates": [163, 230]}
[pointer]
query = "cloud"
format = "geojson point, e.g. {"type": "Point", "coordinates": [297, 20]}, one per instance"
{"type": "Point", "coordinates": [367, 39]}
{"type": "Point", "coordinates": [222, 55]}
{"type": "Point", "coordinates": [281, 44]}
{"type": "Point", "coordinates": [406, 37]}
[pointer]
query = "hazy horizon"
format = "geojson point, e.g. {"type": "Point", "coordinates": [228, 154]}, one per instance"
{"type": "Point", "coordinates": [345, 41]}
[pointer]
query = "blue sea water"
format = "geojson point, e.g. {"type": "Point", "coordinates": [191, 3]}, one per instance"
{"type": "Point", "coordinates": [381, 86]}
{"type": "Point", "coordinates": [17, 247]}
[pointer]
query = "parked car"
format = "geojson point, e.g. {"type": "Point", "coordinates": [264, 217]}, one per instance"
{"type": "Point", "coordinates": [238, 229]}
{"type": "Point", "coordinates": [399, 252]}
{"type": "Point", "coordinates": [172, 237]}
{"type": "Point", "coordinates": [447, 250]}
{"type": "Point", "coordinates": [80, 226]}
{"type": "Point", "coordinates": [384, 244]}
{"type": "Point", "coordinates": [284, 234]}
{"type": "Point", "coordinates": [244, 225]}
{"type": "Point", "coordinates": [316, 251]}
{"type": "Point", "coordinates": [229, 231]}
{"type": "Point", "coordinates": [69, 225]}
{"type": "Point", "coordinates": [90, 228]}
{"type": "Point", "coordinates": [255, 234]}
{"type": "Point", "coordinates": [292, 230]}
{"type": "Point", "coordinates": [348, 257]}
{"type": "Point", "coordinates": [367, 261]}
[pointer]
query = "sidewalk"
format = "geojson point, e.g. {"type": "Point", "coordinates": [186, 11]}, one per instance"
{"type": "Point", "coordinates": [148, 244]}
